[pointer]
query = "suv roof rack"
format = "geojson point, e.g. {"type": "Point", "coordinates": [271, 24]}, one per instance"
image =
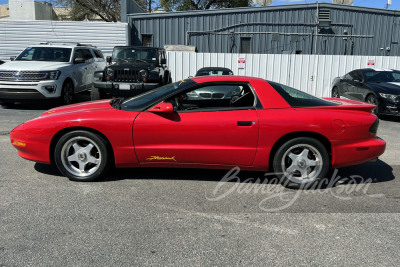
{"type": "Point", "coordinates": [68, 43]}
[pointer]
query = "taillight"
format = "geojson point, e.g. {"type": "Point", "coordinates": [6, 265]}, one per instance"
{"type": "Point", "coordinates": [374, 126]}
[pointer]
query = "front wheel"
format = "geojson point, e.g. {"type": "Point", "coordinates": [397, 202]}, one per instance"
{"type": "Point", "coordinates": [67, 92]}
{"type": "Point", "coordinates": [335, 92]}
{"type": "Point", "coordinates": [301, 162]}
{"type": "Point", "coordinates": [82, 156]}
{"type": "Point", "coordinates": [96, 94]}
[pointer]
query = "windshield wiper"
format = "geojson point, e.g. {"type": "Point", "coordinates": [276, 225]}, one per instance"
{"type": "Point", "coordinates": [141, 60]}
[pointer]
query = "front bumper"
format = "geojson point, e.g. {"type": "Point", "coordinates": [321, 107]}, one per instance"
{"type": "Point", "coordinates": [352, 152]}
{"type": "Point", "coordinates": [30, 90]}
{"type": "Point", "coordinates": [30, 148]}
{"type": "Point", "coordinates": [124, 89]}
{"type": "Point", "coordinates": [389, 108]}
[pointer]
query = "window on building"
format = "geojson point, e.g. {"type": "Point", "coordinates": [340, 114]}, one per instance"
{"type": "Point", "coordinates": [147, 40]}
{"type": "Point", "coordinates": [245, 45]}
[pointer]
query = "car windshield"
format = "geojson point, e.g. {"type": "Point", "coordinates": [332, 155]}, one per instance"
{"type": "Point", "coordinates": [57, 54]}
{"type": "Point", "coordinates": [133, 53]}
{"type": "Point", "coordinates": [296, 98]}
{"type": "Point", "coordinates": [213, 72]}
{"type": "Point", "coordinates": [382, 76]}
{"type": "Point", "coordinates": [145, 100]}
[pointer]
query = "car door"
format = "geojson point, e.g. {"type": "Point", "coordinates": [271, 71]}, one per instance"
{"type": "Point", "coordinates": [199, 132]}
{"type": "Point", "coordinates": [351, 90]}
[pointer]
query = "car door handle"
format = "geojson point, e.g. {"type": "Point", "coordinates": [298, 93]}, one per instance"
{"type": "Point", "coordinates": [244, 123]}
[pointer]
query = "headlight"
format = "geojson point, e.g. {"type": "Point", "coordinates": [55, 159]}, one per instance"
{"type": "Point", "coordinates": [389, 96]}
{"type": "Point", "coordinates": [53, 75]}
{"type": "Point", "coordinates": [109, 72]}
{"type": "Point", "coordinates": [144, 73]}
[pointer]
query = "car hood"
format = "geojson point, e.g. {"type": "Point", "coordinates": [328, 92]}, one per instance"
{"type": "Point", "coordinates": [32, 65]}
{"type": "Point", "coordinates": [81, 107]}
{"type": "Point", "coordinates": [386, 87]}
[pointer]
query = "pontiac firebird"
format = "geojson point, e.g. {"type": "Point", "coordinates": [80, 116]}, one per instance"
{"type": "Point", "coordinates": [249, 122]}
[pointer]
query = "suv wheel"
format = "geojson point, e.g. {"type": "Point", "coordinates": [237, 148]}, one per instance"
{"type": "Point", "coordinates": [67, 93]}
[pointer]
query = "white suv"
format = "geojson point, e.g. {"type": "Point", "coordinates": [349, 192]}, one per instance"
{"type": "Point", "coordinates": [49, 71]}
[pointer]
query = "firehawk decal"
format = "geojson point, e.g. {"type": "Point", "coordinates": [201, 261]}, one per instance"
{"type": "Point", "coordinates": [161, 158]}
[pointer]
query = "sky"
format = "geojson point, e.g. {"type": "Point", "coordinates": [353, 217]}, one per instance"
{"type": "Point", "coordinates": [367, 3]}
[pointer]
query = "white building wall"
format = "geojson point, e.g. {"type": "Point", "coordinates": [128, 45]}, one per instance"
{"type": "Point", "coordinates": [15, 36]}
{"type": "Point", "coordinates": [310, 73]}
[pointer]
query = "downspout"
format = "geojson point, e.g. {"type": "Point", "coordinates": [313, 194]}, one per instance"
{"type": "Point", "coordinates": [314, 87]}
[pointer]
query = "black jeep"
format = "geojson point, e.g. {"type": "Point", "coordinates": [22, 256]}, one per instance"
{"type": "Point", "coordinates": [131, 71]}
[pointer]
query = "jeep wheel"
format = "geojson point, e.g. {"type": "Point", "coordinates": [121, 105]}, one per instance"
{"type": "Point", "coordinates": [96, 94]}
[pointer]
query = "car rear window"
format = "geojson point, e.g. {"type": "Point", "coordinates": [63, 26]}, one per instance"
{"type": "Point", "coordinates": [296, 98]}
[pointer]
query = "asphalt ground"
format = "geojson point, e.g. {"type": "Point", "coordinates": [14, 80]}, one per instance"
{"type": "Point", "coordinates": [169, 217]}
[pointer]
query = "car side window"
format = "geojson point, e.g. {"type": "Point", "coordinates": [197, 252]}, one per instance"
{"type": "Point", "coordinates": [98, 54]}
{"type": "Point", "coordinates": [87, 55]}
{"type": "Point", "coordinates": [355, 75]}
{"type": "Point", "coordinates": [78, 54]}
{"type": "Point", "coordinates": [215, 97]}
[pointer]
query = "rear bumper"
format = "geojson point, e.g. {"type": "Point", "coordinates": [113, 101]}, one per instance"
{"type": "Point", "coordinates": [353, 152]}
{"type": "Point", "coordinates": [123, 89]}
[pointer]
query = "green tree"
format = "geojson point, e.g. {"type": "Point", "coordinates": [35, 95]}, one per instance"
{"type": "Point", "coordinates": [180, 5]}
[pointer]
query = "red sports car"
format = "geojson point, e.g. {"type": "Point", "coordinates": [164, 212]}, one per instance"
{"type": "Point", "coordinates": [249, 122]}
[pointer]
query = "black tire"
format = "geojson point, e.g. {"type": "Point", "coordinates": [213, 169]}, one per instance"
{"type": "Point", "coordinates": [7, 103]}
{"type": "Point", "coordinates": [167, 78]}
{"type": "Point", "coordinates": [96, 94]}
{"type": "Point", "coordinates": [335, 92]}
{"type": "Point", "coordinates": [371, 99]}
{"type": "Point", "coordinates": [293, 155]}
{"type": "Point", "coordinates": [82, 156]}
{"type": "Point", "coordinates": [67, 92]}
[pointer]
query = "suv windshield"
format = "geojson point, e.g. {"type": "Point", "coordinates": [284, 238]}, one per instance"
{"type": "Point", "coordinates": [57, 54]}
{"type": "Point", "coordinates": [382, 76]}
{"type": "Point", "coordinates": [133, 53]}
{"type": "Point", "coordinates": [145, 100]}
{"type": "Point", "coordinates": [296, 98]}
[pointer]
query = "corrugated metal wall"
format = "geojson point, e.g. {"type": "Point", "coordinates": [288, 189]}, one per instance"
{"type": "Point", "coordinates": [15, 36]}
{"type": "Point", "coordinates": [274, 29]}
{"type": "Point", "coordinates": [310, 73]}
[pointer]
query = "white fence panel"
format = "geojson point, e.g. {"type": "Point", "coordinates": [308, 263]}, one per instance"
{"type": "Point", "coordinates": [310, 73]}
{"type": "Point", "coordinates": [15, 36]}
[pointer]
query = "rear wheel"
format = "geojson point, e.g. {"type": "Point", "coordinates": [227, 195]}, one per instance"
{"type": "Point", "coordinates": [371, 99]}
{"type": "Point", "coordinates": [82, 156]}
{"type": "Point", "coordinates": [301, 162]}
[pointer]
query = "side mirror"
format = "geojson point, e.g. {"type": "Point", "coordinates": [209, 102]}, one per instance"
{"type": "Point", "coordinates": [162, 107]}
{"type": "Point", "coordinates": [79, 60]}
{"type": "Point", "coordinates": [12, 58]}
{"type": "Point", "coordinates": [163, 61]}
{"type": "Point", "coordinates": [358, 81]}
{"type": "Point", "coordinates": [109, 59]}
